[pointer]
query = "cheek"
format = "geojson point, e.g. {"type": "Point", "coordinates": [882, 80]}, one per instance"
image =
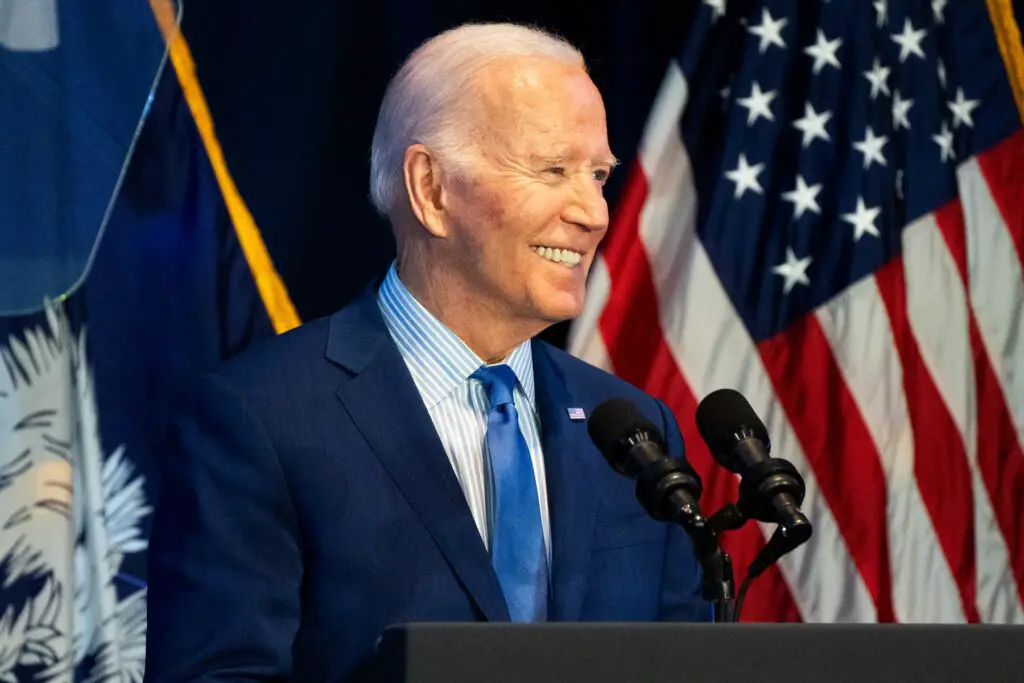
{"type": "Point", "coordinates": [498, 224]}
{"type": "Point", "coordinates": [503, 223]}
{"type": "Point", "coordinates": [474, 216]}
{"type": "Point", "coordinates": [533, 216]}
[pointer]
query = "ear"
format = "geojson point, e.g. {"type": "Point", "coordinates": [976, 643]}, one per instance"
{"type": "Point", "coordinates": [423, 177]}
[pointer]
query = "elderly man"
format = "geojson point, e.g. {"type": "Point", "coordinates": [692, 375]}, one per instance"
{"type": "Point", "coordinates": [418, 456]}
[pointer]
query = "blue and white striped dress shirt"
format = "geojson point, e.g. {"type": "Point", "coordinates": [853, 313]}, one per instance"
{"type": "Point", "coordinates": [441, 365]}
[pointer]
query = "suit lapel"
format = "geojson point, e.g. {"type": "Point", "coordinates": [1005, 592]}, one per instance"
{"type": "Point", "coordinates": [384, 403]}
{"type": "Point", "coordinates": [571, 502]}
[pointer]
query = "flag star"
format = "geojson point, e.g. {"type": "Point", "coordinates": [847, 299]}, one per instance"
{"type": "Point", "coordinates": [824, 52]}
{"type": "Point", "coordinates": [812, 125]}
{"type": "Point", "coordinates": [757, 104]}
{"type": "Point", "coordinates": [871, 148]}
{"type": "Point", "coordinates": [877, 77]}
{"type": "Point", "coordinates": [900, 107]}
{"type": "Point", "coordinates": [938, 7]}
{"type": "Point", "coordinates": [717, 9]}
{"type": "Point", "coordinates": [804, 197]}
{"type": "Point", "coordinates": [909, 41]}
{"type": "Point", "coordinates": [863, 220]}
{"type": "Point", "coordinates": [942, 74]}
{"type": "Point", "coordinates": [793, 271]}
{"type": "Point", "coordinates": [945, 142]}
{"type": "Point", "coordinates": [880, 10]}
{"type": "Point", "coordinates": [769, 31]}
{"type": "Point", "coordinates": [962, 109]}
{"type": "Point", "coordinates": [745, 177]}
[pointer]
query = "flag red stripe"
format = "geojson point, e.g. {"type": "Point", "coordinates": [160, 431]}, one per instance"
{"type": "Point", "coordinates": [1003, 168]}
{"type": "Point", "coordinates": [838, 447]}
{"type": "Point", "coordinates": [940, 460]}
{"type": "Point", "coordinates": [636, 346]}
{"type": "Point", "coordinates": [1000, 457]}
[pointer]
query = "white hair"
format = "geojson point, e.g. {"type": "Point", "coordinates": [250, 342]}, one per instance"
{"type": "Point", "coordinates": [426, 102]}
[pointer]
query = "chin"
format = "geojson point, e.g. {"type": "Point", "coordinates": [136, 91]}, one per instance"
{"type": "Point", "coordinates": [561, 307]}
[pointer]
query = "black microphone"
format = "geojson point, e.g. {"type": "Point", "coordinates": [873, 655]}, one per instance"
{"type": "Point", "coordinates": [667, 488]}
{"type": "Point", "coordinates": [771, 489]}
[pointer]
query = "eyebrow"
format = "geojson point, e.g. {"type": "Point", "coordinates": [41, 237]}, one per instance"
{"type": "Point", "coordinates": [610, 161]}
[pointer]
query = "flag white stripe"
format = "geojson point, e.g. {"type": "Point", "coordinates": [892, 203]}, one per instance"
{"type": "Point", "coordinates": [585, 340]}
{"type": "Point", "coordinates": [996, 287]}
{"type": "Point", "coordinates": [938, 314]}
{"type": "Point", "coordinates": [857, 327]}
{"type": "Point", "coordinates": [997, 299]}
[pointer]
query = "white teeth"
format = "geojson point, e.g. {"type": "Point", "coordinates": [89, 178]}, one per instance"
{"type": "Point", "coordinates": [563, 256]}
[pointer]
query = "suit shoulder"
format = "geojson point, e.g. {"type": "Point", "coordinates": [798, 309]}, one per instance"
{"type": "Point", "coordinates": [279, 356]}
{"type": "Point", "coordinates": [600, 381]}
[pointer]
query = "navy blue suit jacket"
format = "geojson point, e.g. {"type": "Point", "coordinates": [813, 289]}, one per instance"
{"type": "Point", "coordinates": [310, 504]}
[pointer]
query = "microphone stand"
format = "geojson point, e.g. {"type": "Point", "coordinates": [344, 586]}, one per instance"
{"type": "Point", "coordinates": [668, 490]}
{"type": "Point", "coordinates": [718, 586]}
{"type": "Point", "coordinates": [786, 538]}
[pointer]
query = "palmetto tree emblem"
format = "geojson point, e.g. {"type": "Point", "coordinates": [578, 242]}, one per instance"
{"type": "Point", "coordinates": [68, 516]}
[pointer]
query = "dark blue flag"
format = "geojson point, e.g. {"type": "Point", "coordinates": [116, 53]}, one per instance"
{"type": "Point", "coordinates": [122, 276]}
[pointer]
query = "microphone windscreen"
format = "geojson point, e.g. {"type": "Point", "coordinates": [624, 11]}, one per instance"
{"type": "Point", "coordinates": [614, 421]}
{"type": "Point", "coordinates": [720, 416]}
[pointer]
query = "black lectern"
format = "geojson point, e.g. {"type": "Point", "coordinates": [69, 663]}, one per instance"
{"type": "Point", "coordinates": [699, 653]}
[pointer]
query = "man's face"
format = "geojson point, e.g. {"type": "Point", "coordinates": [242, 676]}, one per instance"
{"type": "Point", "coordinates": [526, 220]}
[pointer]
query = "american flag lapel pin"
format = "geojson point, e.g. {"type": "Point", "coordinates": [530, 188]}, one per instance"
{"type": "Point", "coordinates": [576, 414]}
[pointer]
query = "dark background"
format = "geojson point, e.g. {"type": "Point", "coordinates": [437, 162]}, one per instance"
{"type": "Point", "coordinates": [294, 95]}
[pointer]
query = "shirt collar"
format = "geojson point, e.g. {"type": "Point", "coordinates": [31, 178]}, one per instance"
{"type": "Point", "coordinates": [438, 359]}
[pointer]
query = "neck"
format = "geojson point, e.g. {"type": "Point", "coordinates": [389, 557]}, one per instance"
{"type": "Point", "coordinates": [490, 335]}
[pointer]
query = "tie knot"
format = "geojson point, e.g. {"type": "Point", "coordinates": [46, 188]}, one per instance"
{"type": "Point", "coordinates": [499, 382]}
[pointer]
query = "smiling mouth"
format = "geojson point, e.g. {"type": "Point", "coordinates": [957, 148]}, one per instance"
{"type": "Point", "coordinates": [566, 257]}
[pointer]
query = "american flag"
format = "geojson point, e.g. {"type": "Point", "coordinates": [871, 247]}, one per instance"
{"type": "Point", "coordinates": [826, 213]}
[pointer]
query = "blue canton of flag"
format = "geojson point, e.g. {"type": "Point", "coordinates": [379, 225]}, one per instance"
{"type": "Point", "coordinates": [827, 163]}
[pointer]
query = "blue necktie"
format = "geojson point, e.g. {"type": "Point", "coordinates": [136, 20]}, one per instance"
{"type": "Point", "coordinates": [517, 537]}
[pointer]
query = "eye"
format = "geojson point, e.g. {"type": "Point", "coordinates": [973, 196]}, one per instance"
{"type": "Point", "coordinates": [556, 170]}
{"type": "Point", "coordinates": [601, 175]}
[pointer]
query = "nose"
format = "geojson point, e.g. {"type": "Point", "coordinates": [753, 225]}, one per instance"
{"type": "Point", "coordinates": [587, 207]}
